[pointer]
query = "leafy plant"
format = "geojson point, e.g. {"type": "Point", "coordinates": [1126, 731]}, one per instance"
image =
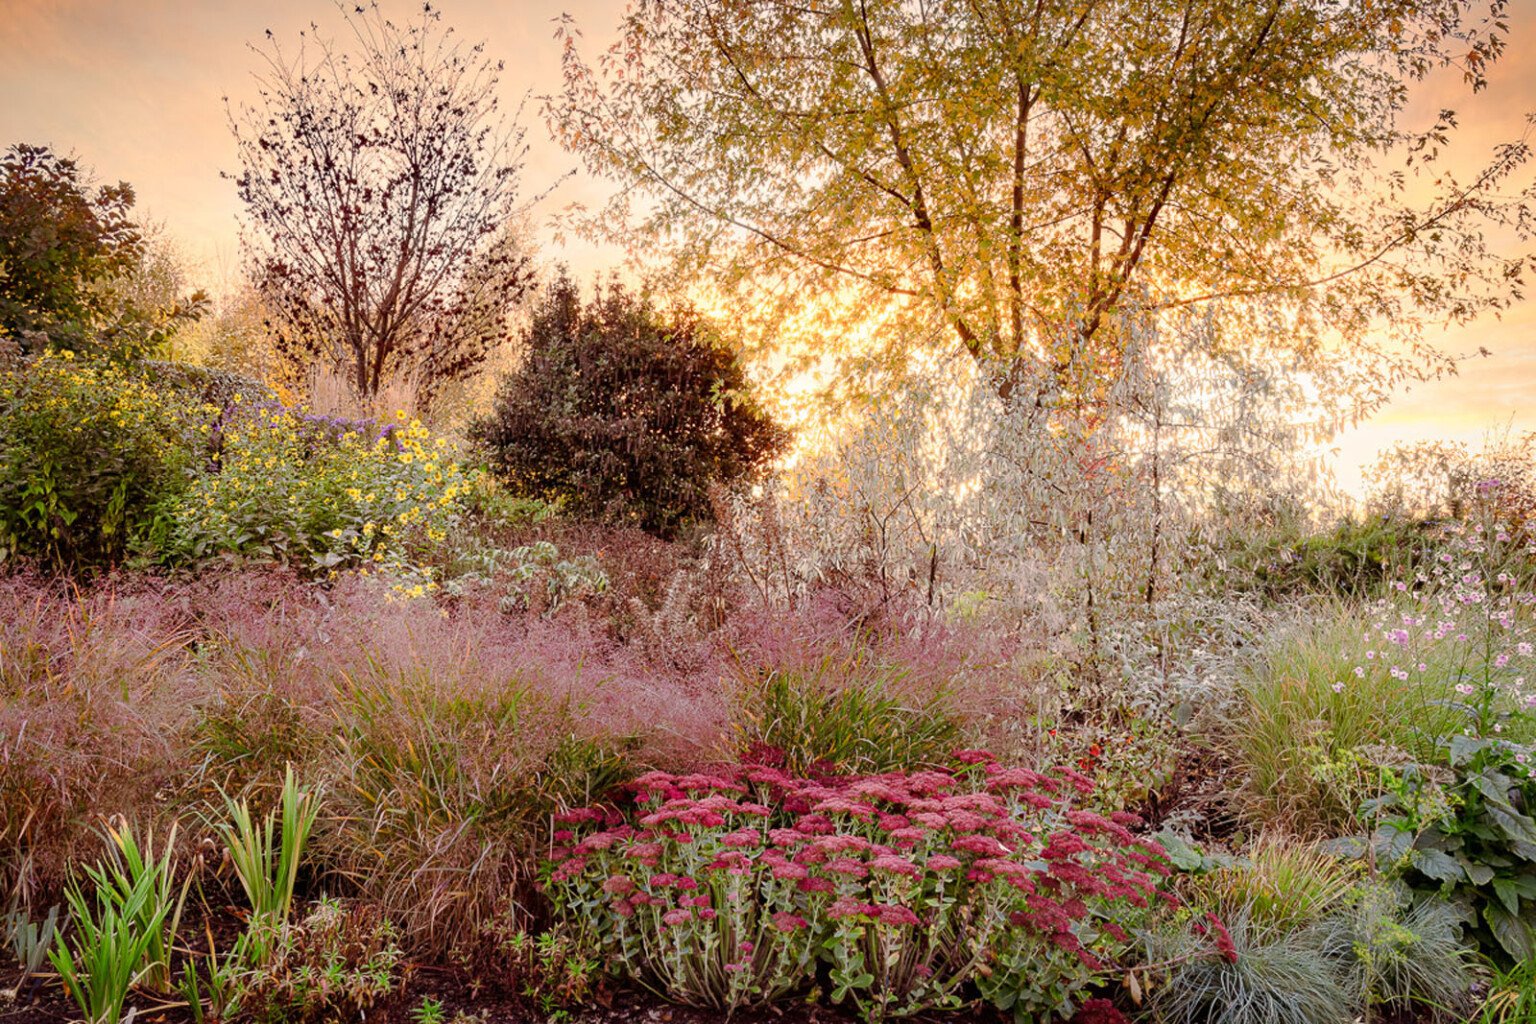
{"type": "Point", "coordinates": [554, 969]}
{"type": "Point", "coordinates": [106, 956]}
{"type": "Point", "coordinates": [322, 494]}
{"type": "Point", "coordinates": [535, 576]}
{"type": "Point", "coordinates": [87, 452]}
{"type": "Point", "coordinates": [1469, 838]}
{"type": "Point", "coordinates": [1512, 997]}
{"type": "Point", "coordinates": [30, 942]}
{"type": "Point", "coordinates": [428, 1011]}
{"type": "Point", "coordinates": [338, 961]}
{"type": "Point", "coordinates": [130, 870]}
{"type": "Point", "coordinates": [217, 992]}
{"type": "Point", "coordinates": [266, 853]}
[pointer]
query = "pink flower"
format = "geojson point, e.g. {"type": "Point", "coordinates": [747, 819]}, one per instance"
{"type": "Point", "coordinates": [890, 913]}
{"type": "Point", "coordinates": [846, 866]}
{"type": "Point", "coordinates": [784, 921]}
{"type": "Point", "coordinates": [895, 865]}
{"type": "Point", "coordinates": [942, 862]}
{"type": "Point", "coordinates": [674, 917]}
{"type": "Point", "coordinates": [986, 846]}
{"type": "Point", "coordinates": [847, 906]}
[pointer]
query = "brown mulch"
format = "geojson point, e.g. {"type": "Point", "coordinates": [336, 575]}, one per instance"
{"type": "Point", "coordinates": [42, 1001]}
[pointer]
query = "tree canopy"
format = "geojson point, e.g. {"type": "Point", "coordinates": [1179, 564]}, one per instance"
{"type": "Point", "coordinates": [1018, 171]}
{"type": "Point", "coordinates": [77, 271]}
{"type": "Point", "coordinates": [381, 192]}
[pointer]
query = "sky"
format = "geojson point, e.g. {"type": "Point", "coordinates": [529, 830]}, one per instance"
{"type": "Point", "coordinates": [136, 91]}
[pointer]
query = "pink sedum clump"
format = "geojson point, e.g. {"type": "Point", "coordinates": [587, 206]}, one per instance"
{"type": "Point", "coordinates": [909, 890]}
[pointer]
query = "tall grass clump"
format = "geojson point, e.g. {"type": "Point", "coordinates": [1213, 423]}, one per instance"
{"type": "Point", "coordinates": [445, 789]}
{"type": "Point", "coordinates": [94, 695]}
{"type": "Point", "coordinates": [842, 715]}
{"type": "Point", "coordinates": [1306, 715]}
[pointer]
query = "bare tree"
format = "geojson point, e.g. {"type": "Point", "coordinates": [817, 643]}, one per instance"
{"type": "Point", "coordinates": [380, 184]}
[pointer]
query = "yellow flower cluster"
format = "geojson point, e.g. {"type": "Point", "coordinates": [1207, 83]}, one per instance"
{"type": "Point", "coordinates": [334, 493]}
{"type": "Point", "coordinates": [69, 397]}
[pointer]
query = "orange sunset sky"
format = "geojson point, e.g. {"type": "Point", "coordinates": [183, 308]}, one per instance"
{"type": "Point", "coordinates": [134, 89]}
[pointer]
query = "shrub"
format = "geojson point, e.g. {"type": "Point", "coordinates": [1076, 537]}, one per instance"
{"type": "Point", "coordinates": [723, 889]}
{"type": "Point", "coordinates": [72, 256]}
{"type": "Point", "coordinates": [531, 576]}
{"type": "Point", "coordinates": [322, 494]}
{"type": "Point", "coordinates": [222, 390]}
{"type": "Point", "coordinates": [86, 453]}
{"type": "Point", "coordinates": [1356, 559]}
{"type": "Point", "coordinates": [627, 414]}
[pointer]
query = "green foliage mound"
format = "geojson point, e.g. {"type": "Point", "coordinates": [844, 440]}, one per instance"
{"type": "Point", "coordinates": [87, 452]}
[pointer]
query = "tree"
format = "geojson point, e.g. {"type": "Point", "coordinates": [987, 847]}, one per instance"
{"type": "Point", "coordinates": [626, 413]}
{"type": "Point", "coordinates": [379, 185]}
{"type": "Point", "coordinates": [77, 272]}
{"type": "Point", "coordinates": [1016, 171]}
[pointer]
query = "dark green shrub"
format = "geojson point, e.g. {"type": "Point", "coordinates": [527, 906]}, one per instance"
{"type": "Point", "coordinates": [1356, 558]}
{"type": "Point", "coordinates": [75, 264]}
{"type": "Point", "coordinates": [629, 415]}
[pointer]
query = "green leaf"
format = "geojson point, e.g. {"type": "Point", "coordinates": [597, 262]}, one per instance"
{"type": "Point", "coordinates": [1464, 748]}
{"type": "Point", "coordinates": [1513, 934]}
{"type": "Point", "coordinates": [1391, 844]}
{"type": "Point", "coordinates": [1442, 867]}
{"type": "Point", "coordinates": [1508, 894]}
{"type": "Point", "coordinates": [1477, 874]}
